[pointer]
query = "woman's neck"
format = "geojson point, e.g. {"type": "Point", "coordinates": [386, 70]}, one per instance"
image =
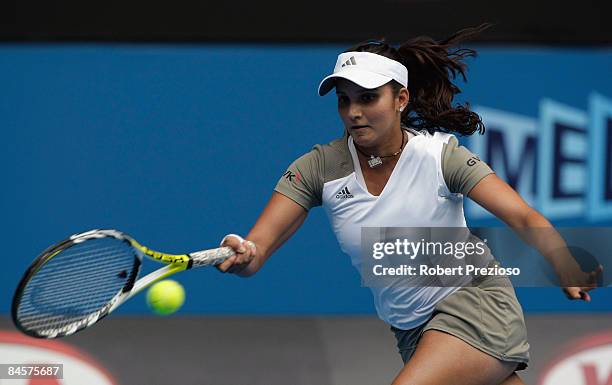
{"type": "Point", "coordinates": [380, 157]}
{"type": "Point", "coordinates": [388, 146]}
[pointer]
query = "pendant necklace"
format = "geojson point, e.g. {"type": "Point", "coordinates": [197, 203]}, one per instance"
{"type": "Point", "coordinates": [375, 161]}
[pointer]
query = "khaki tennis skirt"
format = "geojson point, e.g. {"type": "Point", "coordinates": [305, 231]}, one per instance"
{"type": "Point", "coordinates": [487, 316]}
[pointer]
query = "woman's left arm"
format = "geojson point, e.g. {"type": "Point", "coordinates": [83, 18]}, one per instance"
{"type": "Point", "coordinates": [501, 200]}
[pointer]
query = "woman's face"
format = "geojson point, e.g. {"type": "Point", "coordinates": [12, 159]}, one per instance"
{"type": "Point", "coordinates": [371, 116]}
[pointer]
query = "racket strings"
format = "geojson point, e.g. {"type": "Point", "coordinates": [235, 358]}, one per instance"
{"type": "Point", "coordinates": [71, 311]}
{"type": "Point", "coordinates": [69, 308]}
{"type": "Point", "coordinates": [80, 258]}
{"type": "Point", "coordinates": [75, 284]}
{"type": "Point", "coordinates": [53, 280]}
{"type": "Point", "coordinates": [60, 314]}
{"type": "Point", "coordinates": [51, 276]}
{"type": "Point", "coordinates": [72, 306]}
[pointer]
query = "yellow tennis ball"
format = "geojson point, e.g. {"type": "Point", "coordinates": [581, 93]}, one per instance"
{"type": "Point", "coordinates": [165, 297]}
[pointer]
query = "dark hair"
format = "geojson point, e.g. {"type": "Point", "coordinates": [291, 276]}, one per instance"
{"type": "Point", "coordinates": [432, 65]}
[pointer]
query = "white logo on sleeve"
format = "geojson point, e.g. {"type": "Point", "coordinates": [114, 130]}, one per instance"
{"type": "Point", "coordinates": [344, 194]}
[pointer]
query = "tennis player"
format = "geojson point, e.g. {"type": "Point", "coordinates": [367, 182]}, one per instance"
{"type": "Point", "coordinates": [398, 164]}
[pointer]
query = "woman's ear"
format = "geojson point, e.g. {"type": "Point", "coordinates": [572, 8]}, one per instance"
{"type": "Point", "coordinates": [403, 98]}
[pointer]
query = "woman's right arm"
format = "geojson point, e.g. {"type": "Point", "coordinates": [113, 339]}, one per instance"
{"type": "Point", "coordinates": [279, 220]}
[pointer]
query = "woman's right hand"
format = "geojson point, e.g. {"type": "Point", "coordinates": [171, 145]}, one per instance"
{"type": "Point", "coordinates": [278, 221]}
{"type": "Point", "coordinates": [244, 253]}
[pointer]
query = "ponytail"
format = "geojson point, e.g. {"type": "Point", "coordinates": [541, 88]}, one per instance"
{"type": "Point", "coordinates": [432, 67]}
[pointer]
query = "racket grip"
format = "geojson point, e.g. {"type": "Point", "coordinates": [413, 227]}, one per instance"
{"type": "Point", "coordinates": [211, 257]}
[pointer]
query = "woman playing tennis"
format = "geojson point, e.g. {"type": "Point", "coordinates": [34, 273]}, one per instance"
{"type": "Point", "coordinates": [398, 164]}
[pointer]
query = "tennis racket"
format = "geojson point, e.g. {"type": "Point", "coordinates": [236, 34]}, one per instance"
{"type": "Point", "coordinates": [77, 282]}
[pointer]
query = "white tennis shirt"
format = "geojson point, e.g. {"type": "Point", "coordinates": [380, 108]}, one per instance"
{"type": "Point", "coordinates": [417, 194]}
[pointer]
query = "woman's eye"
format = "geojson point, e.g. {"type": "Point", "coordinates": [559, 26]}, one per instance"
{"type": "Point", "coordinates": [342, 100]}
{"type": "Point", "coordinates": [368, 97]}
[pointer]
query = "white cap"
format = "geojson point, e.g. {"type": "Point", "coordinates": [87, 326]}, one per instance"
{"type": "Point", "coordinates": [366, 69]}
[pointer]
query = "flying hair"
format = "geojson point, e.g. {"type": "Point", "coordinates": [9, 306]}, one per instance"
{"type": "Point", "coordinates": [433, 66]}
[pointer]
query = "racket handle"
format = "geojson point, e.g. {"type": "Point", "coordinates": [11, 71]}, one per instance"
{"type": "Point", "coordinates": [211, 257]}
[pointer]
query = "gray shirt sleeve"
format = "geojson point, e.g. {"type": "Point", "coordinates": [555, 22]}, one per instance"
{"type": "Point", "coordinates": [303, 180]}
{"type": "Point", "coordinates": [461, 169]}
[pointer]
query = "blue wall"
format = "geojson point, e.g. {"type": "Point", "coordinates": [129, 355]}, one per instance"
{"type": "Point", "coordinates": [179, 145]}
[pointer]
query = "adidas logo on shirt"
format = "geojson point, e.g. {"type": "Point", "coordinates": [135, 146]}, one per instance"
{"type": "Point", "coordinates": [344, 194]}
{"type": "Point", "coordinates": [350, 62]}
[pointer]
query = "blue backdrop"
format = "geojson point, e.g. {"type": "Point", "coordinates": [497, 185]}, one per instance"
{"type": "Point", "coordinates": [179, 145]}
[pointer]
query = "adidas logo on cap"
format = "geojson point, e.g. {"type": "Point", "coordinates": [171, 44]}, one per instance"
{"type": "Point", "coordinates": [344, 194]}
{"type": "Point", "coordinates": [350, 62]}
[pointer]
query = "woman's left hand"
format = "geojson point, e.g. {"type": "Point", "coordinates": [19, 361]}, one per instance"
{"type": "Point", "coordinates": [588, 282]}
